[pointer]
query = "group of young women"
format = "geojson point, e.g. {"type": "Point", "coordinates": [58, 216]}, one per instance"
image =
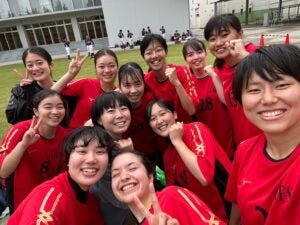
{"type": "Point", "coordinates": [190, 121]}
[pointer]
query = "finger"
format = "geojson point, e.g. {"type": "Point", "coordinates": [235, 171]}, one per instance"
{"type": "Point", "coordinates": [26, 74]}
{"type": "Point", "coordinates": [20, 76]}
{"type": "Point", "coordinates": [77, 54]}
{"type": "Point", "coordinates": [155, 202]}
{"type": "Point", "coordinates": [142, 208]}
{"type": "Point", "coordinates": [172, 222]}
{"type": "Point", "coordinates": [33, 121]}
{"type": "Point", "coordinates": [37, 124]}
{"type": "Point", "coordinates": [84, 59]}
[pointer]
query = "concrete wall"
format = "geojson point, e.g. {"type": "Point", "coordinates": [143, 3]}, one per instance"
{"type": "Point", "coordinates": [133, 15]}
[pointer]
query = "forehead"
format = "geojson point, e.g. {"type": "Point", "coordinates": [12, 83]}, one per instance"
{"type": "Point", "coordinates": [33, 57]}
{"type": "Point", "coordinates": [154, 44]}
{"type": "Point", "coordinates": [106, 59]}
{"type": "Point", "coordinates": [51, 99]}
{"type": "Point", "coordinates": [125, 159]}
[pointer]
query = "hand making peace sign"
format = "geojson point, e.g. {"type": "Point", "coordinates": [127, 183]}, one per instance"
{"type": "Point", "coordinates": [24, 80]}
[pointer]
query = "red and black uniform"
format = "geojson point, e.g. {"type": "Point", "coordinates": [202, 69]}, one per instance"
{"type": "Point", "coordinates": [41, 161]}
{"type": "Point", "coordinates": [166, 90]}
{"type": "Point", "coordinates": [59, 201]}
{"type": "Point", "coordinates": [212, 161]}
{"type": "Point", "coordinates": [213, 113]}
{"type": "Point", "coordinates": [242, 127]}
{"type": "Point", "coordinates": [185, 206]}
{"type": "Point", "coordinates": [87, 89]}
{"type": "Point", "coordinates": [265, 190]}
{"type": "Point", "coordinates": [139, 131]}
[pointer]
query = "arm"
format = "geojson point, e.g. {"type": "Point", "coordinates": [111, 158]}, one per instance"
{"type": "Point", "coordinates": [184, 98]}
{"type": "Point", "coordinates": [217, 82]}
{"type": "Point", "coordinates": [235, 217]}
{"type": "Point", "coordinates": [188, 157]}
{"type": "Point", "coordinates": [12, 160]}
{"type": "Point", "coordinates": [74, 68]}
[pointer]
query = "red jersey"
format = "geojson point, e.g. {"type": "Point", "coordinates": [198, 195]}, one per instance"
{"type": "Point", "coordinates": [213, 113]}
{"type": "Point", "coordinates": [265, 190]}
{"type": "Point", "coordinates": [139, 131]}
{"type": "Point", "coordinates": [87, 89]}
{"type": "Point", "coordinates": [41, 161]}
{"type": "Point", "coordinates": [185, 206]}
{"type": "Point", "coordinates": [166, 90]}
{"type": "Point", "coordinates": [199, 139]}
{"type": "Point", "coordinates": [242, 127]}
{"type": "Point", "coordinates": [55, 202]}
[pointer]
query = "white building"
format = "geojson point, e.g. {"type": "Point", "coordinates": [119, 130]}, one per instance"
{"type": "Point", "coordinates": [26, 23]}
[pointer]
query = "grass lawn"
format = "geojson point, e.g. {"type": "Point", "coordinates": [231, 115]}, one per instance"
{"type": "Point", "coordinates": [8, 78]}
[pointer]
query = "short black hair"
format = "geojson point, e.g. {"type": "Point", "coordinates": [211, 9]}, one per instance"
{"type": "Point", "coordinates": [270, 63]}
{"type": "Point", "coordinates": [150, 38]}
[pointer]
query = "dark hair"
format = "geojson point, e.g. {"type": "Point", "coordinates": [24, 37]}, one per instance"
{"type": "Point", "coordinates": [45, 93]}
{"type": "Point", "coordinates": [269, 63]}
{"type": "Point", "coordinates": [149, 165]}
{"type": "Point", "coordinates": [38, 51]}
{"type": "Point", "coordinates": [194, 44]}
{"type": "Point", "coordinates": [162, 103]}
{"type": "Point", "coordinates": [108, 100]}
{"type": "Point", "coordinates": [87, 134]}
{"type": "Point", "coordinates": [150, 38]}
{"type": "Point", "coordinates": [132, 70]}
{"type": "Point", "coordinates": [103, 52]}
{"type": "Point", "coordinates": [220, 23]}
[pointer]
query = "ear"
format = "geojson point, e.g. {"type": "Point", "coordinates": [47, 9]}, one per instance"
{"type": "Point", "coordinates": [151, 178]}
{"type": "Point", "coordinates": [241, 33]}
{"type": "Point", "coordinates": [175, 115]}
{"type": "Point", "coordinates": [36, 112]}
{"type": "Point", "coordinates": [100, 122]}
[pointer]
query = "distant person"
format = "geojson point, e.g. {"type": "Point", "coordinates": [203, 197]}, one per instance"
{"type": "Point", "coordinates": [130, 38]}
{"type": "Point", "coordinates": [188, 34]}
{"type": "Point", "coordinates": [66, 199]}
{"type": "Point", "coordinates": [143, 33]}
{"type": "Point", "coordinates": [89, 43]}
{"type": "Point", "coordinates": [163, 32]}
{"type": "Point", "coordinates": [149, 30]}
{"type": "Point", "coordinates": [122, 40]}
{"type": "Point", "coordinates": [176, 37]}
{"type": "Point", "coordinates": [67, 47]}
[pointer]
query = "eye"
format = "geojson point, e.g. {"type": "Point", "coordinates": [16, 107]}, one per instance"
{"type": "Point", "coordinates": [110, 110]}
{"type": "Point", "coordinates": [282, 86]}
{"type": "Point", "coordinates": [124, 108]}
{"type": "Point", "coordinates": [131, 169]}
{"type": "Point", "coordinates": [101, 151]}
{"type": "Point", "coordinates": [253, 90]}
{"type": "Point", "coordinates": [81, 151]}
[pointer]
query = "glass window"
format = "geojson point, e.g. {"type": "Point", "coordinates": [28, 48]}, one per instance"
{"type": "Point", "coordinates": [47, 36]}
{"type": "Point", "coordinates": [39, 36]}
{"type": "Point", "coordinates": [98, 2]}
{"type": "Point", "coordinates": [83, 30]}
{"type": "Point", "coordinates": [10, 40]}
{"type": "Point", "coordinates": [24, 7]}
{"type": "Point", "coordinates": [67, 21]}
{"type": "Point", "coordinates": [46, 5]}
{"type": "Point", "coordinates": [4, 10]}
{"type": "Point", "coordinates": [78, 4]}
{"type": "Point", "coordinates": [70, 32]}
{"type": "Point", "coordinates": [103, 28]}
{"type": "Point", "coordinates": [56, 5]}
{"type": "Point", "coordinates": [98, 29]}
{"type": "Point", "coordinates": [91, 30]}
{"type": "Point", "coordinates": [61, 32]}
{"type": "Point", "coordinates": [3, 41]}
{"type": "Point", "coordinates": [67, 4]}
{"type": "Point", "coordinates": [54, 34]}
{"type": "Point", "coordinates": [16, 39]}
{"type": "Point", "coordinates": [31, 38]}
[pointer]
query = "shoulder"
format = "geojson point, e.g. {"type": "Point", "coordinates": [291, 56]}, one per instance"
{"type": "Point", "coordinates": [250, 147]}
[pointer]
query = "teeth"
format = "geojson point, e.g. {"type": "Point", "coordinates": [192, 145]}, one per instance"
{"type": "Point", "coordinates": [272, 113]}
{"type": "Point", "coordinates": [120, 123]}
{"type": "Point", "coordinates": [163, 127]}
{"type": "Point", "coordinates": [127, 187]}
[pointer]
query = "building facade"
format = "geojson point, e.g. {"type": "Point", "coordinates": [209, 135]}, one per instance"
{"type": "Point", "coordinates": [27, 23]}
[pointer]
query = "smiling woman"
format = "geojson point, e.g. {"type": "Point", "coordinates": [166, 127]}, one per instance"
{"type": "Point", "coordinates": [66, 199]}
{"type": "Point", "coordinates": [31, 150]}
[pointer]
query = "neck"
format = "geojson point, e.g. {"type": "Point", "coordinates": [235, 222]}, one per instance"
{"type": "Point", "coordinates": [200, 73]}
{"type": "Point", "coordinates": [282, 145]}
{"type": "Point", "coordinates": [45, 84]}
{"type": "Point", "coordinates": [47, 131]}
{"type": "Point", "coordinates": [108, 87]}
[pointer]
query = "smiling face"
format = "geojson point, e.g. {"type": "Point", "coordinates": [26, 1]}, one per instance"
{"type": "Point", "coordinates": [218, 42]}
{"type": "Point", "coordinates": [106, 69]}
{"type": "Point", "coordinates": [51, 110]}
{"type": "Point", "coordinates": [130, 178]}
{"type": "Point", "coordinates": [274, 107]}
{"type": "Point", "coordinates": [196, 59]}
{"type": "Point", "coordinates": [87, 163]}
{"type": "Point", "coordinates": [133, 87]}
{"type": "Point", "coordinates": [116, 120]}
{"type": "Point", "coordinates": [155, 56]}
{"type": "Point", "coordinates": [161, 120]}
{"type": "Point", "coordinates": [38, 68]}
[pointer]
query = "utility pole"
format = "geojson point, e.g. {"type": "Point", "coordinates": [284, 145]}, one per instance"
{"type": "Point", "coordinates": [247, 12]}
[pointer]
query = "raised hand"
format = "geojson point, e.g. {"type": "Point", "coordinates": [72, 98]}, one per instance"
{"type": "Point", "coordinates": [31, 136]}
{"type": "Point", "coordinates": [158, 217]}
{"type": "Point", "coordinates": [24, 79]}
{"type": "Point", "coordinates": [171, 73]}
{"type": "Point", "coordinates": [76, 64]}
{"type": "Point", "coordinates": [237, 49]}
{"type": "Point", "coordinates": [176, 131]}
{"type": "Point", "coordinates": [125, 144]}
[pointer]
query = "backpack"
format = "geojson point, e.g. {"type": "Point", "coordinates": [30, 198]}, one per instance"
{"type": "Point", "coordinates": [16, 106]}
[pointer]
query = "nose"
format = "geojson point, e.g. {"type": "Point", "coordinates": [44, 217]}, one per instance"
{"type": "Point", "coordinates": [268, 96]}
{"type": "Point", "coordinates": [91, 156]}
{"type": "Point", "coordinates": [119, 113]}
{"type": "Point", "coordinates": [124, 175]}
{"type": "Point", "coordinates": [132, 89]}
{"type": "Point", "coordinates": [219, 41]}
